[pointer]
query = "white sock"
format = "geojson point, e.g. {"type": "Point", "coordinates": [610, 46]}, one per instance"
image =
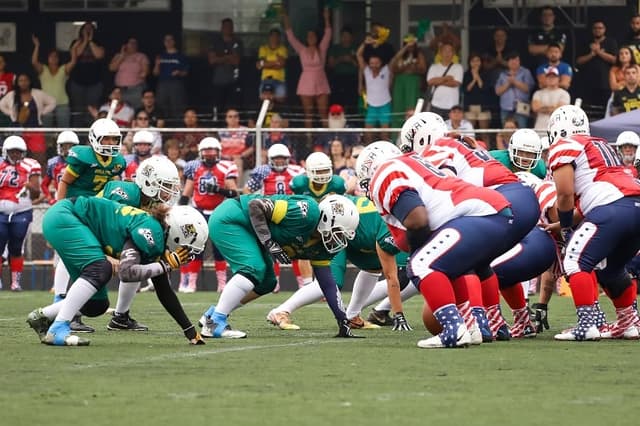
{"type": "Point", "coordinates": [60, 279]}
{"type": "Point", "coordinates": [235, 290]}
{"type": "Point", "coordinates": [52, 310]}
{"type": "Point", "coordinates": [305, 295]}
{"type": "Point", "coordinates": [126, 293]}
{"type": "Point", "coordinates": [525, 288]}
{"type": "Point", "coordinates": [79, 293]}
{"type": "Point", "coordinates": [409, 291]}
{"type": "Point", "coordinates": [378, 293]}
{"type": "Point", "coordinates": [362, 286]}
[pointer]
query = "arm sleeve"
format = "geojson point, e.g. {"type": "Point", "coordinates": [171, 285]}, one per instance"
{"type": "Point", "coordinates": [131, 270]}
{"type": "Point", "coordinates": [170, 301]}
{"type": "Point", "coordinates": [260, 213]}
{"type": "Point", "coordinates": [407, 201]}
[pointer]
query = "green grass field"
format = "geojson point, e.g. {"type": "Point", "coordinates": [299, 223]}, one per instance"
{"type": "Point", "coordinates": [306, 377]}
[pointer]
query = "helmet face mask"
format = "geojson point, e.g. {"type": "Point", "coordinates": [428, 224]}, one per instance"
{"type": "Point", "coordinates": [339, 220]}
{"type": "Point", "coordinates": [525, 149]}
{"type": "Point", "coordinates": [14, 149]}
{"type": "Point", "coordinates": [105, 137]}
{"type": "Point", "coordinates": [158, 179]}
{"type": "Point", "coordinates": [627, 143]}
{"type": "Point", "coordinates": [209, 150]}
{"type": "Point", "coordinates": [186, 227]}
{"type": "Point", "coordinates": [319, 168]}
{"type": "Point", "coordinates": [278, 156]}
{"type": "Point", "coordinates": [65, 141]}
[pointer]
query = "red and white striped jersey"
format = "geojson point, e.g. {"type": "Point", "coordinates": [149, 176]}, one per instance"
{"type": "Point", "coordinates": [600, 178]}
{"type": "Point", "coordinates": [547, 196]}
{"type": "Point", "coordinates": [444, 197]}
{"type": "Point", "coordinates": [14, 177]}
{"type": "Point", "coordinates": [55, 171]}
{"type": "Point", "coordinates": [471, 165]}
{"type": "Point", "coordinates": [203, 176]}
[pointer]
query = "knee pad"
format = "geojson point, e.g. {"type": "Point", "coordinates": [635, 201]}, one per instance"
{"type": "Point", "coordinates": [615, 283]}
{"type": "Point", "coordinates": [98, 273]}
{"type": "Point", "coordinates": [95, 307]}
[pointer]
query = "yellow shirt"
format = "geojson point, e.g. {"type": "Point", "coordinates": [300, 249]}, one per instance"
{"type": "Point", "coordinates": [268, 54]}
{"type": "Point", "coordinates": [54, 85]}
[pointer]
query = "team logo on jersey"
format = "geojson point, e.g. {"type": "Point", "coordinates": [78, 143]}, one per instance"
{"type": "Point", "coordinates": [117, 168]}
{"type": "Point", "coordinates": [147, 235]}
{"type": "Point", "coordinates": [304, 207]}
{"type": "Point", "coordinates": [121, 193]}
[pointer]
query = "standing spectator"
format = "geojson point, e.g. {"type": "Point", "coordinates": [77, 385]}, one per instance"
{"type": "Point", "coordinates": [477, 93]}
{"type": "Point", "coordinates": [19, 185]}
{"type": "Point", "coordinates": [377, 86]}
{"type": "Point", "coordinates": [343, 67]}
{"type": "Point", "coordinates": [236, 145]}
{"type": "Point", "coordinates": [595, 63]}
{"type": "Point", "coordinates": [628, 98]}
{"type": "Point", "coordinates": [494, 57]}
{"type": "Point", "coordinates": [25, 106]}
{"type": "Point", "coordinates": [633, 39]}
{"type": "Point", "coordinates": [188, 141]}
{"type": "Point", "coordinates": [7, 79]}
{"type": "Point", "coordinates": [122, 115]}
{"type": "Point", "coordinates": [224, 57]}
{"type": "Point", "coordinates": [554, 55]}
{"type": "Point", "coordinates": [156, 115]}
{"type": "Point", "coordinates": [171, 68]}
{"type": "Point", "coordinates": [547, 34]}
{"type": "Point", "coordinates": [510, 125]}
{"type": "Point", "coordinates": [53, 80]}
{"type": "Point", "coordinates": [272, 59]}
{"type": "Point", "coordinates": [313, 86]}
{"type": "Point", "coordinates": [457, 124]}
{"type": "Point", "coordinates": [376, 44]}
{"type": "Point", "coordinates": [131, 68]}
{"type": "Point", "coordinates": [85, 81]}
{"type": "Point", "coordinates": [444, 80]}
{"type": "Point", "coordinates": [409, 67]}
{"type": "Point", "coordinates": [514, 88]}
{"type": "Point", "coordinates": [545, 101]}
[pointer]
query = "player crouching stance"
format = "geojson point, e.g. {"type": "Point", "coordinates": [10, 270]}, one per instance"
{"type": "Point", "coordinates": [443, 222]}
{"type": "Point", "coordinates": [85, 230]}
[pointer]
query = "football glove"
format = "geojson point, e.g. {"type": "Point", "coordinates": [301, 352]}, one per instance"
{"type": "Point", "coordinates": [541, 317]}
{"type": "Point", "coordinates": [277, 253]}
{"type": "Point", "coordinates": [212, 188]}
{"type": "Point", "coordinates": [174, 259]}
{"type": "Point", "coordinates": [228, 193]}
{"type": "Point", "coordinates": [400, 323]}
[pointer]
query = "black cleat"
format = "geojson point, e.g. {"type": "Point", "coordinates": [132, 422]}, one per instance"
{"type": "Point", "coordinates": [380, 318]}
{"type": "Point", "coordinates": [125, 322]}
{"type": "Point", "coordinates": [77, 326]}
{"type": "Point", "coordinates": [344, 331]}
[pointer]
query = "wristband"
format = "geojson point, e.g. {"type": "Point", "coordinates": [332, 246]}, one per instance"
{"type": "Point", "coordinates": [566, 218]}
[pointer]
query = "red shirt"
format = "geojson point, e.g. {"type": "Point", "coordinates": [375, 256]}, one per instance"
{"type": "Point", "coordinates": [203, 176]}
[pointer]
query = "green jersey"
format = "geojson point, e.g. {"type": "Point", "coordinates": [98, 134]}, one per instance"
{"type": "Point", "coordinates": [371, 230]}
{"type": "Point", "coordinates": [91, 171]}
{"type": "Point", "coordinates": [293, 223]}
{"type": "Point", "coordinates": [113, 223]}
{"type": "Point", "coordinates": [301, 185]}
{"type": "Point", "coordinates": [502, 155]}
{"type": "Point", "coordinates": [122, 192]}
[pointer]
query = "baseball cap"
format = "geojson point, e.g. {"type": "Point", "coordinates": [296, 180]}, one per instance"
{"type": "Point", "coordinates": [336, 109]}
{"type": "Point", "coordinates": [551, 71]}
{"type": "Point", "coordinates": [267, 87]}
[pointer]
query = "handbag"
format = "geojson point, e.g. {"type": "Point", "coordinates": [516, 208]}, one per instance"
{"type": "Point", "coordinates": [428, 96]}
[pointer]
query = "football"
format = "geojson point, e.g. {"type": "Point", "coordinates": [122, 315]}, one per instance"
{"type": "Point", "coordinates": [430, 322]}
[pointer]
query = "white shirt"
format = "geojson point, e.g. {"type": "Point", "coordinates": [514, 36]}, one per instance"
{"type": "Point", "coordinates": [378, 93]}
{"type": "Point", "coordinates": [465, 128]}
{"type": "Point", "coordinates": [549, 97]}
{"type": "Point", "coordinates": [445, 97]}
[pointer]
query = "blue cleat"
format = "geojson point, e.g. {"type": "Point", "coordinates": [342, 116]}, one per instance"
{"type": "Point", "coordinates": [483, 324]}
{"type": "Point", "coordinates": [59, 334]}
{"type": "Point", "coordinates": [207, 314]}
{"type": "Point", "coordinates": [217, 326]}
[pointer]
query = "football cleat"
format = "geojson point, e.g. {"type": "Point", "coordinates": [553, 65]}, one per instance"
{"type": "Point", "coordinates": [522, 324]}
{"type": "Point", "coordinates": [125, 322]}
{"type": "Point", "coordinates": [586, 329]}
{"type": "Point", "coordinates": [281, 320]}
{"type": "Point", "coordinates": [59, 334]}
{"type": "Point", "coordinates": [344, 331]}
{"type": "Point", "coordinates": [504, 333]}
{"type": "Point", "coordinates": [475, 333]}
{"type": "Point", "coordinates": [217, 327]}
{"type": "Point", "coordinates": [77, 326]}
{"type": "Point", "coordinates": [483, 323]}
{"type": "Point", "coordinates": [381, 318]}
{"type": "Point", "coordinates": [625, 325]}
{"type": "Point", "coordinates": [358, 323]}
{"type": "Point", "coordinates": [208, 313]}
{"type": "Point", "coordinates": [39, 322]}
{"type": "Point", "coordinates": [447, 339]}
{"type": "Point", "coordinates": [16, 287]}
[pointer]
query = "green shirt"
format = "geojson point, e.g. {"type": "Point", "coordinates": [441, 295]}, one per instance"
{"type": "Point", "coordinates": [127, 193]}
{"type": "Point", "coordinates": [371, 230]}
{"type": "Point", "coordinates": [303, 186]}
{"type": "Point", "coordinates": [502, 156]}
{"type": "Point", "coordinates": [90, 171]}
{"type": "Point", "coordinates": [344, 68]}
{"type": "Point", "coordinates": [113, 223]}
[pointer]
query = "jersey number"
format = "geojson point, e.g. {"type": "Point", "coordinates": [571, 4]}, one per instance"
{"type": "Point", "coordinates": [9, 178]}
{"type": "Point", "coordinates": [609, 156]}
{"type": "Point", "coordinates": [281, 188]}
{"type": "Point", "coordinates": [427, 165]}
{"type": "Point", "coordinates": [204, 181]}
{"type": "Point", "coordinates": [99, 181]}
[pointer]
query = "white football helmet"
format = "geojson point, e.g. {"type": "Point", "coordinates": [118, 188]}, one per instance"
{"type": "Point", "coordinates": [206, 144]}
{"type": "Point", "coordinates": [14, 143]}
{"type": "Point", "coordinates": [371, 157]}
{"type": "Point", "coordinates": [158, 178]}
{"type": "Point", "coordinates": [319, 167]}
{"type": "Point", "coordinates": [420, 130]}
{"type": "Point", "coordinates": [525, 140]}
{"type": "Point", "coordinates": [544, 141]}
{"type": "Point", "coordinates": [100, 129]}
{"type": "Point", "coordinates": [628, 138]}
{"type": "Point", "coordinates": [567, 120]}
{"type": "Point", "coordinates": [339, 219]}
{"type": "Point", "coordinates": [529, 179]}
{"type": "Point", "coordinates": [278, 150]}
{"type": "Point", "coordinates": [140, 138]}
{"type": "Point", "coordinates": [66, 137]}
{"type": "Point", "coordinates": [186, 227]}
